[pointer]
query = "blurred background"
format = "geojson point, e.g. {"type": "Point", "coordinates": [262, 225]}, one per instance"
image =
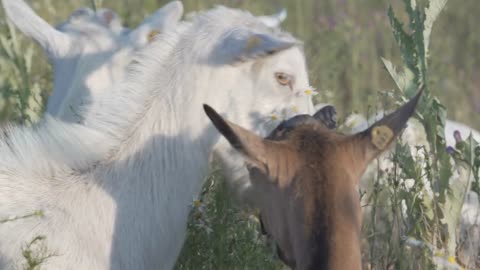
{"type": "Point", "coordinates": [344, 40]}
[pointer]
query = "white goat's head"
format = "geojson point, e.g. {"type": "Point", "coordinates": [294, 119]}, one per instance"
{"type": "Point", "coordinates": [265, 67]}
{"type": "Point", "coordinates": [90, 50]}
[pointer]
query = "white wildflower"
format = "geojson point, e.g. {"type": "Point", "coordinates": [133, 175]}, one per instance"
{"type": "Point", "coordinates": [310, 92]}
{"type": "Point", "coordinates": [409, 183]}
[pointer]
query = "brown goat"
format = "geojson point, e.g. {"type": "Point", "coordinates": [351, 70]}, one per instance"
{"type": "Point", "coordinates": [306, 177]}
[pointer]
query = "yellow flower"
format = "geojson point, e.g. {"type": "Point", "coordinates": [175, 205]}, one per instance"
{"type": "Point", "coordinates": [438, 254]}
{"type": "Point", "coordinates": [197, 203]}
{"type": "Point", "coordinates": [274, 117]}
{"type": "Point", "coordinates": [308, 92]}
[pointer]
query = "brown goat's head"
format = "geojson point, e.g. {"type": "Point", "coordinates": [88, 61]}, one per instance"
{"type": "Point", "coordinates": [305, 178]}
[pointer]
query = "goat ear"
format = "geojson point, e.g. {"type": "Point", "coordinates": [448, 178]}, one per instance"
{"type": "Point", "coordinates": [274, 20]}
{"type": "Point", "coordinates": [81, 14]}
{"type": "Point", "coordinates": [382, 133]}
{"type": "Point", "coordinates": [244, 141]}
{"type": "Point", "coordinates": [164, 18]}
{"type": "Point", "coordinates": [109, 18]}
{"type": "Point", "coordinates": [23, 17]}
{"type": "Point", "coordinates": [241, 45]}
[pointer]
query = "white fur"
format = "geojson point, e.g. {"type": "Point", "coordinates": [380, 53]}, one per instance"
{"type": "Point", "coordinates": [89, 51]}
{"type": "Point", "coordinates": [271, 21]}
{"type": "Point", "coordinates": [116, 192]}
{"type": "Point", "coordinates": [274, 20]}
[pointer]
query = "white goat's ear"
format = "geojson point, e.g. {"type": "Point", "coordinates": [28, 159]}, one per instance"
{"type": "Point", "coordinates": [274, 20]}
{"type": "Point", "coordinates": [109, 19]}
{"type": "Point", "coordinates": [23, 17]}
{"type": "Point", "coordinates": [251, 146]}
{"type": "Point", "coordinates": [164, 18]}
{"type": "Point", "coordinates": [81, 14]}
{"type": "Point", "coordinates": [241, 45]}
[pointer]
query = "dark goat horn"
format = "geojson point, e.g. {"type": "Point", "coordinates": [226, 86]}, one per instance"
{"type": "Point", "coordinates": [290, 124]}
{"type": "Point", "coordinates": [296, 121]}
{"type": "Point", "coordinates": [327, 116]}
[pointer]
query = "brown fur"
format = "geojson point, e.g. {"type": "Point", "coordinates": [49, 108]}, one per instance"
{"type": "Point", "coordinates": [306, 178]}
{"type": "Point", "coordinates": [320, 203]}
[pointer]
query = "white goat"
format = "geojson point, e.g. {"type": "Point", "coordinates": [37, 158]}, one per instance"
{"type": "Point", "coordinates": [116, 191]}
{"type": "Point", "coordinates": [97, 33]}
{"type": "Point", "coordinates": [87, 80]}
{"type": "Point", "coordinates": [89, 51]}
{"type": "Point", "coordinates": [87, 83]}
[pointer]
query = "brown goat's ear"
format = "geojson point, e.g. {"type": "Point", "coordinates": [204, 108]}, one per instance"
{"type": "Point", "coordinates": [381, 134]}
{"type": "Point", "coordinates": [244, 141]}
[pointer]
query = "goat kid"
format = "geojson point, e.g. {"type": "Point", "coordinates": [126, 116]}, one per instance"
{"type": "Point", "coordinates": [305, 179]}
{"type": "Point", "coordinates": [100, 35]}
{"type": "Point", "coordinates": [116, 191]}
{"type": "Point", "coordinates": [89, 52]}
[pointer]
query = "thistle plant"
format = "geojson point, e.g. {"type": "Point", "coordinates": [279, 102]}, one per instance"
{"type": "Point", "coordinates": [430, 208]}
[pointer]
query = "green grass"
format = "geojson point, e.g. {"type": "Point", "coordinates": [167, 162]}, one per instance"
{"type": "Point", "coordinates": [223, 236]}
{"type": "Point", "coordinates": [344, 40]}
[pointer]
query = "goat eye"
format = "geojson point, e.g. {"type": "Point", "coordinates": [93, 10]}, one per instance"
{"type": "Point", "coordinates": [283, 79]}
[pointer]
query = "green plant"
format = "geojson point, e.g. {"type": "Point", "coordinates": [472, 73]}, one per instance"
{"type": "Point", "coordinates": [35, 253]}
{"type": "Point", "coordinates": [431, 205]}
{"type": "Point", "coordinates": [21, 94]}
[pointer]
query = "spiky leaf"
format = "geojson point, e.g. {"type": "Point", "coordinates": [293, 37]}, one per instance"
{"type": "Point", "coordinates": [431, 13]}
